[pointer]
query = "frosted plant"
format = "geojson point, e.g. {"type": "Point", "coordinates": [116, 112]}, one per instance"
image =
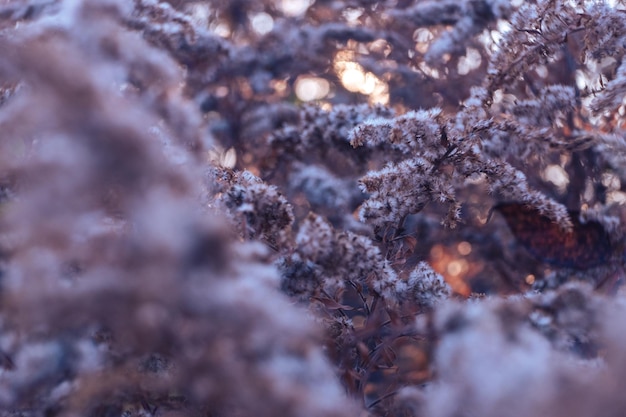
{"type": "Point", "coordinates": [314, 208]}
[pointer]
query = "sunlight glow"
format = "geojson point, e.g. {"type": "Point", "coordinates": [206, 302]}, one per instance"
{"type": "Point", "coordinates": [311, 88]}
{"type": "Point", "coordinates": [352, 15]}
{"type": "Point", "coordinates": [611, 181]}
{"type": "Point", "coordinates": [422, 38]}
{"type": "Point", "coordinates": [262, 23]}
{"type": "Point", "coordinates": [353, 77]}
{"type": "Point", "coordinates": [356, 79]}
{"type": "Point", "coordinates": [557, 176]}
{"type": "Point", "coordinates": [295, 7]}
{"type": "Point", "coordinates": [464, 248]}
{"type": "Point", "coordinates": [469, 62]}
{"type": "Point", "coordinates": [617, 197]}
{"type": "Point", "coordinates": [222, 30]}
{"type": "Point", "coordinates": [428, 70]}
{"type": "Point", "coordinates": [455, 268]}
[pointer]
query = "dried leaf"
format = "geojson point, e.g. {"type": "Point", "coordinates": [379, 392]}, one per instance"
{"type": "Point", "coordinates": [584, 246]}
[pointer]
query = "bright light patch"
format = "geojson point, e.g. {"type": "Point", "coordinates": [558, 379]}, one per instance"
{"type": "Point", "coordinates": [428, 70]}
{"type": "Point", "coordinates": [617, 197]}
{"type": "Point", "coordinates": [222, 30]}
{"type": "Point", "coordinates": [311, 88]}
{"type": "Point", "coordinates": [496, 36]}
{"type": "Point", "coordinates": [262, 23]}
{"type": "Point", "coordinates": [356, 79]}
{"type": "Point", "coordinates": [280, 86]}
{"type": "Point", "coordinates": [369, 86]}
{"type": "Point", "coordinates": [464, 248]}
{"type": "Point", "coordinates": [504, 26]}
{"type": "Point", "coordinates": [500, 96]}
{"type": "Point", "coordinates": [469, 62]}
{"type": "Point", "coordinates": [199, 13]}
{"type": "Point", "coordinates": [295, 7]}
{"type": "Point", "coordinates": [581, 79]}
{"type": "Point", "coordinates": [457, 267]}
{"type": "Point", "coordinates": [352, 77]}
{"type": "Point", "coordinates": [422, 38]}
{"type": "Point", "coordinates": [352, 15]}
{"type": "Point", "coordinates": [221, 91]}
{"type": "Point", "coordinates": [557, 176]}
{"type": "Point", "coordinates": [380, 46]}
{"type": "Point", "coordinates": [611, 181]}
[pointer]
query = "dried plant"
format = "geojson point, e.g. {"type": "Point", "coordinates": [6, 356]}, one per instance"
{"type": "Point", "coordinates": [312, 208]}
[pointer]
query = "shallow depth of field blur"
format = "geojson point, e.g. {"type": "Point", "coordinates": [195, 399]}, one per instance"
{"type": "Point", "coordinates": [320, 208]}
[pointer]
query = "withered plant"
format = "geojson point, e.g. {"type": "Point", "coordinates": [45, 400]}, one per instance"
{"type": "Point", "coordinates": [312, 208]}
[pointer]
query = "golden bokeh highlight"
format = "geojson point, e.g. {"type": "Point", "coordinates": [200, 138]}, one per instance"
{"type": "Point", "coordinates": [464, 248]}
{"type": "Point", "coordinates": [356, 79]}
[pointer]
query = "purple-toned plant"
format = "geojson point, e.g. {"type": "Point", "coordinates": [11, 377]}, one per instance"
{"type": "Point", "coordinates": [312, 208]}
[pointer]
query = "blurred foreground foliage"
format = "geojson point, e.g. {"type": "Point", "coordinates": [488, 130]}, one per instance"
{"type": "Point", "coordinates": [312, 208]}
